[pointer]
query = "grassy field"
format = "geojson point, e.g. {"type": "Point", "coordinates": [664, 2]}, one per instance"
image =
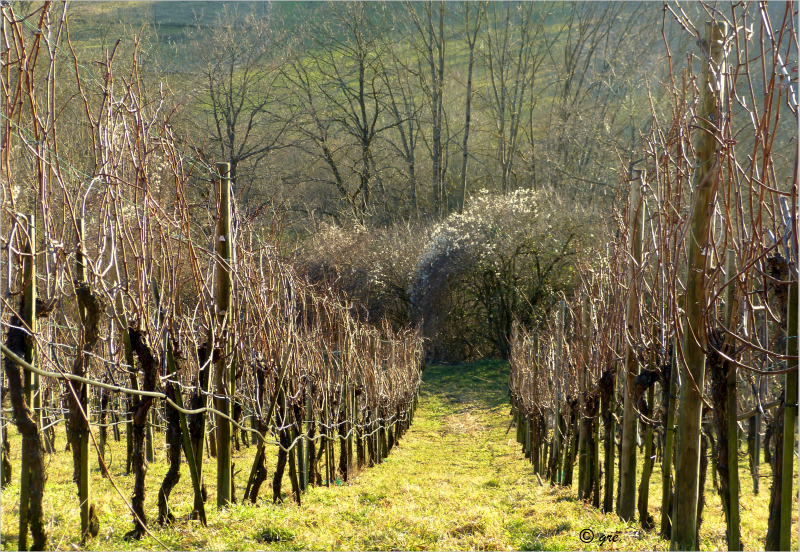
{"type": "Point", "coordinates": [457, 481]}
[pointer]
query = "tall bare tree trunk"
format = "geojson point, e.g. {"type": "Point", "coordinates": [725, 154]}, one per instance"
{"type": "Point", "coordinates": [472, 36]}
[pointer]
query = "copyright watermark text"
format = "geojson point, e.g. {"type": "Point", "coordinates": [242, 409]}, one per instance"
{"type": "Point", "coordinates": [587, 536]}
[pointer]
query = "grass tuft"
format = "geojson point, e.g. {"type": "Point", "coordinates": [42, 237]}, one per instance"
{"type": "Point", "coordinates": [270, 535]}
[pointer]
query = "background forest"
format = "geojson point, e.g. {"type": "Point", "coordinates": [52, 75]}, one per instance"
{"type": "Point", "coordinates": [371, 134]}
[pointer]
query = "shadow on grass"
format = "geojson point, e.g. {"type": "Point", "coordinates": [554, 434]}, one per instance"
{"type": "Point", "coordinates": [484, 381]}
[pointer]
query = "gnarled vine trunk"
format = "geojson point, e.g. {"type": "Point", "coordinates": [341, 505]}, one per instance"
{"type": "Point", "coordinates": [148, 364]}
{"type": "Point", "coordinates": [776, 462]}
{"type": "Point", "coordinates": [94, 305]}
{"type": "Point", "coordinates": [261, 471]}
{"type": "Point", "coordinates": [32, 448]}
{"type": "Point", "coordinates": [174, 443]}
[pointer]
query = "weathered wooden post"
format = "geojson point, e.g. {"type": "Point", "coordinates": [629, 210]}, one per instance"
{"type": "Point", "coordinates": [103, 430]}
{"type": "Point", "coordinates": [527, 443]}
{"type": "Point", "coordinates": [627, 462]}
{"type": "Point", "coordinates": [301, 458]}
{"type": "Point", "coordinates": [309, 460]}
{"type": "Point", "coordinates": [610, 436]}
{"type": "Point", "coordinates": [351, 425]}
{"type": "Point", "coordinates": [666, 465]}
{"type": "Point", "coordinates": [85, 492]}
{"type": "Point", "coordinates": [596, 458]}
{"type": "Point", "coordinates": [537, 441]}
{"type": "Point", "coordinates": [731, 310]}
{"type": "Point", "coordinates": [122, 325]}
{"type": "Point", "coordinates": [760, 393]}
{"type": "Point", "coordinates": [649, 456]}
{"type": "Point", "coordinates": [687, 455]}
{"type": "Point", "coordinates": [557, 426]}
{"type": "Point", "coordinates": [583, 458]}
{"type": "Point", "coordinates": [37, 397]}
{"type": "Point", "coordinates": [224, 322]}
{"type": "Point", "coordinates": [29, 317]}
{"type": "Point", "coordinates": [789, 415]}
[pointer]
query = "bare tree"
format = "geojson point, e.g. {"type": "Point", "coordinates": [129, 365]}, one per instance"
{"type": "Point", "coordinates": [598, 91]}
{"type": "Point", "coordinates": [404, 108]}
{"type": "Point", "coordinates": [340, 99]}
{"type": "Point", "coordinates": [516, 47]}
{"type": "Point", "coordinates": [238, 97]}
{"type": "Point", "coordinates": [428, 38]}
{"type": "Point", "coordinates": [471, 30]}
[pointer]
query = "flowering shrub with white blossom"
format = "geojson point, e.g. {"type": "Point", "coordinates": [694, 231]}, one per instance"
{"type": "Point", "coordinates": [502, 260]}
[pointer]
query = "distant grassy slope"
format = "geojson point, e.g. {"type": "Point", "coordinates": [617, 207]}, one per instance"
{"type": "Point", "coordinates": [93, 20]}
{"type": "Point", "coordinates": [457, 481]}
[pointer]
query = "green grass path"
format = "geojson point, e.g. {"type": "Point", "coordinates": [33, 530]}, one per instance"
{"type": "Point", "coordinates": [456, 481]}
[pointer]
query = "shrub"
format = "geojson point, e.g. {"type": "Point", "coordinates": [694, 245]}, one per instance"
{"type": "Point", "coordinates": [503, 260]}
{"type": "Point", "coordinates": [372, 268]}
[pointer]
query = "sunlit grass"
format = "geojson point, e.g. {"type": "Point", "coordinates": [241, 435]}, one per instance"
{"type": "Point", "coordinates": [457, 481]}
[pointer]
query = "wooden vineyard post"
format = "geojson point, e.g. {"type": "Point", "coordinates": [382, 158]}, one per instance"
{"type": "Point", "coordinates": [789, 413]}
{"type": "Point", "coordinates": [649, 455]}
{"type": "Point", "coordinates": [527, 437]}
{"type": "Point", "coordinates": [122, 324]}
{"type": "Point", "coordinates": [253, 438]}
{"type": "Point", "coordinates": [342, 426]}
{"type": "Point", "coordinates": [330, 441]}
{"type": "Point", "coordinates": [204, 387]}
{"type": "Point", "coordinates": [666, 466]}
{"type": "Point", "coordinates": [29, 317]}
{"type": "Point", "coordinates": [734, 537]}
{"type": "Point", "coordinates": [351, 424]}
{"type": "Point", "coordinates": [309, 474]}
{"type": "Point", "coordinates": [375, 431]}
{"type": "Point", "coordinates": [627, 462]}
{"type": "Point", "coordinates": [105, 397]}
{"type": "Point", "coordinates": [103, 411]}
{"type": "Point", "coordinates": [85, 492]}
{"type": "Point", "coordinates": [687, 454]}
{"type": "Point", "coordinates": [301, 456]}
{"type": "Point", "coordinates": [293, 457]}
{"type": "Point", "coordinates": [610, 437]}
{"type": "Point", "coordinates": [557, 426]}
{"type": "Point", "coordinates": [548, 458]}
{"type": "Point", "coordinates": [583, 457]}
{"type": "Point", "coordinates": [224, 321]}
{"type": "Point", "coordinates": [595, 463]}
{"type": "Point", "coordinates": [760, 394]}
{"type": "Point", "coordinates": [36, 390]}
{"type": "Point", "coordinates": [596, 459]}
{"type": "Point", "coordinates": [537, 441]}
{"type": "Point", "coordinates": [304, 444]}
{"type": "Point", "coordinates": [323, 442]}
{"type": "Point", "coordinates": [383, 433]}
